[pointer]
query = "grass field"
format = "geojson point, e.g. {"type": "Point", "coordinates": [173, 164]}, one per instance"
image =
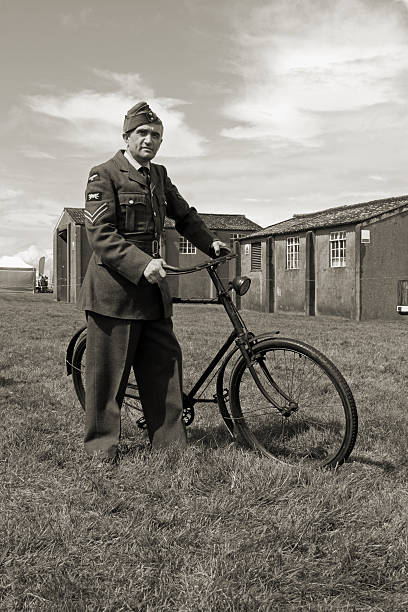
{"type": "Point", "coordinates": [216, 527]}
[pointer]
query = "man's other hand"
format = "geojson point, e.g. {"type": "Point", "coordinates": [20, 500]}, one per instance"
{"type": "Point", "coordinates": [218, 245]}
{"type": "Point", "coordinates": [154, 271]}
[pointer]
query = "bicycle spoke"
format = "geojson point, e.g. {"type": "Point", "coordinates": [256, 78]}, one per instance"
{"type": "Point", "coordinates": [306, 420]}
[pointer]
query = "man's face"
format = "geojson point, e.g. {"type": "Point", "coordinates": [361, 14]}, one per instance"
{"type": "Point", "coordinates": [144, 142]}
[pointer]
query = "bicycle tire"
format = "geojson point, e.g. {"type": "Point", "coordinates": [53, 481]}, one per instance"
{"type": "Point", "coordinates": [78, 361]}
{"type": "Point", "coordinates": [316, 423]}
{"type": "Point", "coordinates": [131, 411]}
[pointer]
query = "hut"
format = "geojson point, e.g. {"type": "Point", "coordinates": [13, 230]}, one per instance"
{"type": "Point", "coordinates": [72, 252]}
{"type": "Point", "coordinates": [17, 279]}
{"type": "Point", "coordinates": [348, 261]}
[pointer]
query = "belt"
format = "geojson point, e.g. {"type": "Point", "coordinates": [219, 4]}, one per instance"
{"type": "Point", "coordinates": [151, 246]}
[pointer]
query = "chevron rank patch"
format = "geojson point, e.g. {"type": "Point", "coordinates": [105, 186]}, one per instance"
{"type": "Point", "coordinates": [95, 196]}
{"type": "Point", "coordinates": [93, 177]}
{"type": "Point", "coordinates": [92, 217]}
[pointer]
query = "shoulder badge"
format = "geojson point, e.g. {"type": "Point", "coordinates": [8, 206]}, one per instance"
{"type": "Point", "coordinates": [95, 196]}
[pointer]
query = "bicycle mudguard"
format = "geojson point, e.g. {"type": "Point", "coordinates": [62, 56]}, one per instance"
{"type": "Point", "coordinates": [222, 405]}
{"type": "Point", "coordinates": [70, 349]}
{"type": "Point", "coordinates": [221, 398]}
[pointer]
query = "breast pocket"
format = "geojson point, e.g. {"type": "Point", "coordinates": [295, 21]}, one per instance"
{"type": "Point", "coordinates": [133, 209]}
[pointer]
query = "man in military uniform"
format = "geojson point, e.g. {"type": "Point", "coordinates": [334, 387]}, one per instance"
{"type": "Point", "coordinates": [125, 294]}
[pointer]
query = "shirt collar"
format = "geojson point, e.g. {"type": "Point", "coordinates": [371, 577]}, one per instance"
{"type": "Point", "coordinates": [133, 162]}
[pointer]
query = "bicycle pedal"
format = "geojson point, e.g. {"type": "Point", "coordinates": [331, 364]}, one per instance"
{"type": "Point", "coordinates": [188, 415]}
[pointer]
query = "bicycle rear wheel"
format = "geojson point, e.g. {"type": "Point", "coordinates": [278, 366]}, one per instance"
{"type": "Point", "coordinates": [305, 413]}
{"type": "Point", "coordinates": [132, 419]}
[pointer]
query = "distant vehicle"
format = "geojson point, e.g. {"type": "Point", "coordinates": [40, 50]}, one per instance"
{"type": "Point", "coordinates": [42, 286]}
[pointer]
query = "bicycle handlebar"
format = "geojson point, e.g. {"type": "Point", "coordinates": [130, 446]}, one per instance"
{"type": "Point", "coordinates": [209, 263]}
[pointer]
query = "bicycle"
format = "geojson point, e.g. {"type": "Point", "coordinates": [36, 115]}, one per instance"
{"type": "Point", "coordinates": [284, 398]}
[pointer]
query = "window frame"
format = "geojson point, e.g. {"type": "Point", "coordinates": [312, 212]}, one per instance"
{"type": "Point", "coordinates": [185, 247]}
{"type": "Point", "coordinates": [292, 253]}
{"type": "Point", "coordinates": [338, 249]}
{"type": "Point", "coordinates": [234, 237]}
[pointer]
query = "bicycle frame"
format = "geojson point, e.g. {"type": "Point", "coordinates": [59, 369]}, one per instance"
{"type": "Point", "coordinates": [244, 340]}
{"type": "Point", "coordinates": [240, 332]}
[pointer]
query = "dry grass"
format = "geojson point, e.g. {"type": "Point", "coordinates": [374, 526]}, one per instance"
{"type": "Point", "coordinates": [216, 527]}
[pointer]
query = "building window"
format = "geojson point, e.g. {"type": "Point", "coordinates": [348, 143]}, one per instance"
{"type": "Point", "coordinates": [185, 247]}
{"type": "Point", "coordinates": [256, 256]}
{"type": "Point", "coordinates": [365, 236]}
{"type": "Point", "coordinates": [233, 238]}
{"type": "Point", "coordinates": [292, 253]}
{"type": "Point", "coordinates": [337, 249]}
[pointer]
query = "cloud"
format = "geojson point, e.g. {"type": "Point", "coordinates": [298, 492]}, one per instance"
{"type": "Point", "coordinates": [28, 258]}
{"type": "Point", "coordinates": [7, 194]}
{"type": "Point", "coordinates": [91, 119]}
{"type": "Point", "coordinates": [13, 261]}
{"type": "Point", "coordinates": [32, 255]}
{"type": "Point", "coordinates": [78, 19]}
{"type": "Point", "coordinates": [129, 83]}
{"type": "Point", "coordinates": [24, 220]}
{"type": "Point", "coordinates": [375, 177]}
{"type": "Point", "coordinates": [33, 154]}
{"type": "Point", "coordinates": [257, 199]}
{"type": "Point", "coordinates": [304, 71]}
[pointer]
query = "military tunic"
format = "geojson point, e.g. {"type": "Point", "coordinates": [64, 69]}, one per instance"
{"type": "Point", "coordinates": [122, 218]}
{"type": "Point", "coordinates": [129, 318]}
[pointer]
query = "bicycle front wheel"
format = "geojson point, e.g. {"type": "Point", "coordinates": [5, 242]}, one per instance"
{"type": "Point", "coordinates": [294, 406]}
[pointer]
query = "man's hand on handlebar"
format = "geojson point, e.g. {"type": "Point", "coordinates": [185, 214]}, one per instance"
{"type": "Point", "coordinates": [220, 248]}
{"type": "Point", "coordinates": [154, 271]}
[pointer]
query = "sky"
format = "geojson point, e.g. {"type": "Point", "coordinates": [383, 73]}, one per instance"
{"type": "Point", "coordinates": [270, 108]}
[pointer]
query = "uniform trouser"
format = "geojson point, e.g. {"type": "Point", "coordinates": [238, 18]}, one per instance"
{"type": "Point", "coordinates": [113, 346]}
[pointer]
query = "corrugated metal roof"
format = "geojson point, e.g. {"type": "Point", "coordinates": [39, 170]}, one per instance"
{"type": "Point", "coordinates": [340, 215]}
{"type": "Point", "coordinates": [212, 221]}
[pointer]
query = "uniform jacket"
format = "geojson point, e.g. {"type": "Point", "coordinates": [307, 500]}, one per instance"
{"type": "Point", "coordinates": [122, 217]}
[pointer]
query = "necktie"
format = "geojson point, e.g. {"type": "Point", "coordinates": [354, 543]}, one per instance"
{"type": "Point", "coordinates": [145, 171]}
{"type": "Point", "coordinates": [155, 243]}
